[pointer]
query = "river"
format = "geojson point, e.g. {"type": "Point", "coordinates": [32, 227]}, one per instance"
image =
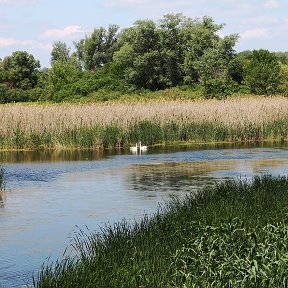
{"type": "Point", "coordinates": [49, 196]}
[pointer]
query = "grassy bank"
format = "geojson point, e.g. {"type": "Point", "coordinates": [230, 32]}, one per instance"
{"type": "Point", "coordinates": [232, 235]}
{"type": "Point", "coordinates": [118, 124]}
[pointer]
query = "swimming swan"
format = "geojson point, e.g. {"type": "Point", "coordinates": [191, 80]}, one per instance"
{"type": "Point", "coordinates": [143, 148]}
{"type": "Point", "coordinates": [134, 148]}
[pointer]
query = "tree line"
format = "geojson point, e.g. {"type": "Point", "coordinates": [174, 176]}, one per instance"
{"type": "Point", "coordinates": [175, 51]}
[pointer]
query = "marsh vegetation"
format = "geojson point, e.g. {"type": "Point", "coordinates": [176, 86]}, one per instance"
{"type": "Point", "coordinates": [147, 83]}
{"type": "Point", "coordinates": [230, 235]}
{"type": "Point", "coordinates": [119, 124]}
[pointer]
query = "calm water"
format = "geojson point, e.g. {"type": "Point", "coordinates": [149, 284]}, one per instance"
{"type": "Point", "coordinates": [49, 195]}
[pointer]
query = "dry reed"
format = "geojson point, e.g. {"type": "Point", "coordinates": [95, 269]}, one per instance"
{"type": "Point", "coordinates": [55, 117]}
{"type": "Point", "coordinates": [60, 118]}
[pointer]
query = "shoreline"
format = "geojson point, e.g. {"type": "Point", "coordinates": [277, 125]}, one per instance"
{"type": "Point", "coordinates": [203, 239]}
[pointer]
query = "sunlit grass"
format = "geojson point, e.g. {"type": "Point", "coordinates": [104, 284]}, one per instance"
{"type": "Point", "coordinates": [232, 235]}
{"type": "Point", "coordinates": [119, 124]}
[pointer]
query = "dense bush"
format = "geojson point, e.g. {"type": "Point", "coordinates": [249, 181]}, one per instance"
{"type": "Point", "coordinates": [172, 52]}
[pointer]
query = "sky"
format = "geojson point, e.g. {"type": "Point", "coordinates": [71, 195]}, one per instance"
{"type": "Point", "coordinates": [34, 25]}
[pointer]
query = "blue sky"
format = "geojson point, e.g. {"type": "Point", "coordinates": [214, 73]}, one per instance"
{"type": "Point", "coordinates": [33, 25]}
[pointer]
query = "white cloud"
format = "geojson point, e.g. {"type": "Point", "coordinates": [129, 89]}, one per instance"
{"type": "Point", "coordinates": [65, 32]}
{"type": "Point", "coordinates": [115, 3]}
{"type": "Point", "coordinates": [7, 42]}
{"type": "Point", "coordinates": [17, 2]}
{"type": "Point", "coordinates": [257, 33]}
{"type": "Point", "coordinates": [272, 4]}
{"type": "Point", "coordinates": [124, 3]}
{"type": "Point", "coordinates": [263, 20]}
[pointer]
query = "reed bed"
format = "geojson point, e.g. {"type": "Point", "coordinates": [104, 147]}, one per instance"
{"type": "Point", "coordinates": [231, 235]}
{"type": "Point", "coordinates": [117, 124]}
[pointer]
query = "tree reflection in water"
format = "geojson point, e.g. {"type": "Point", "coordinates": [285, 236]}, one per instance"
{"type": "Point", "coordinates": [172, 177]}
{"type": "Point", "coordinates": [186, 177]}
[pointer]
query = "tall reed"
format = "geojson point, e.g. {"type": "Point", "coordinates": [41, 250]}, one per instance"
{"type": "Point", "coordinates": [230, 235]}
{"type": "Point", "coordinates": [117, 124]}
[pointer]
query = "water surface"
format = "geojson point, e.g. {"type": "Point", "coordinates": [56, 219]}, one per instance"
{"type": "Point", "coordinates": [49, 194]}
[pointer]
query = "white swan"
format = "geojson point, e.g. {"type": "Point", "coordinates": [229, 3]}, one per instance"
{"type": "Point", "coordinates": [143, 148]}
{"type": "Point", "coordinates": [134, 148]}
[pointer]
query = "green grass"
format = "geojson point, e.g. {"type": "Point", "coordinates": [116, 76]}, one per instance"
{"type": "Point", "coordinates": [231, 235]}
{"type": "Point", "coordinates": [175, 93]}
{"type": "Point", "coordinates": [149, 132]}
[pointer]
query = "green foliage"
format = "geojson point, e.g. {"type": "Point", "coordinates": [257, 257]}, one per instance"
{"type": "Point", "coordinates": [230, 255]}
{"type": "Point", "coordinates": [262, 73]}
{"type": "Point", "coordinates": [282, 57]}
{"type": "Point", "coordinates": [19, 70]}
{"type": "Point", "coordinates": [231, 235]}
{"type": "Point", "coordinates": [19, 77]}
{"type": "Point", "coordinates": [172, 48]}
{"type": "Point", "coordinates": [61, 77]}
{"type": "Point", "coordinates": [96, 50]}
{"type": "Point", "coordinates": [283, 87]}
{"type": "Point", "coordinates": [174, 51]}
{"type": "Point", "coordinates": [60, 53]}
{"type": "Point", "coordinates": [138, 59]}
{"type": "Point", "coordinates": [3, 94]}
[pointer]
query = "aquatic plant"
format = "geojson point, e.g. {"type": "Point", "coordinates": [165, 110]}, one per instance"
{"type": "Point", "coordinates": [231, 235]}
{"type": "Point", "coordinates": [117, 124]}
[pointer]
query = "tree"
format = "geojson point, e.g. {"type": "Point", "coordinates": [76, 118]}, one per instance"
{"type": "Point", "coordinates": [139, 57]}
{"type": "Point", "coordinates": [172, 47]}
{"type": "Point", "coordinates": [262, 72]}
{"type": "Point", "coordinates": [282, 57]}
{"type": "Point", "coordinates": [97, 49]}
{"type": "Point", "coordinates": [200, 35]}
{"type": "Point", "coordinates": [60, 53]}
{"type": "Point", "coordinates": [208, 58]}
{"type": "Point", "coordinates": [19, 70]}
{"type": "Point", "coordinates": [283, 87]}
{"type": "Point", "coordinates": [61, 77]}
{"type": "Point", "coordinates": [213, 73]}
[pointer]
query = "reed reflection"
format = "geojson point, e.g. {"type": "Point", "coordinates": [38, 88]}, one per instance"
{"type": "Point", "coordinates": [171, 177]}
{"type": "Point", "coordinates": [190, 176]}
{"type": "Point", "coordinates": [52, 155]}
{"type": "Point", "coordinates": [1, 199]}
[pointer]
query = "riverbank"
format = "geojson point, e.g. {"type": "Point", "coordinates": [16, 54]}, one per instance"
{"type": "Point", "coordinates": [119, 125]}
{"type": "Point", "coordinates": [233, 234]}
